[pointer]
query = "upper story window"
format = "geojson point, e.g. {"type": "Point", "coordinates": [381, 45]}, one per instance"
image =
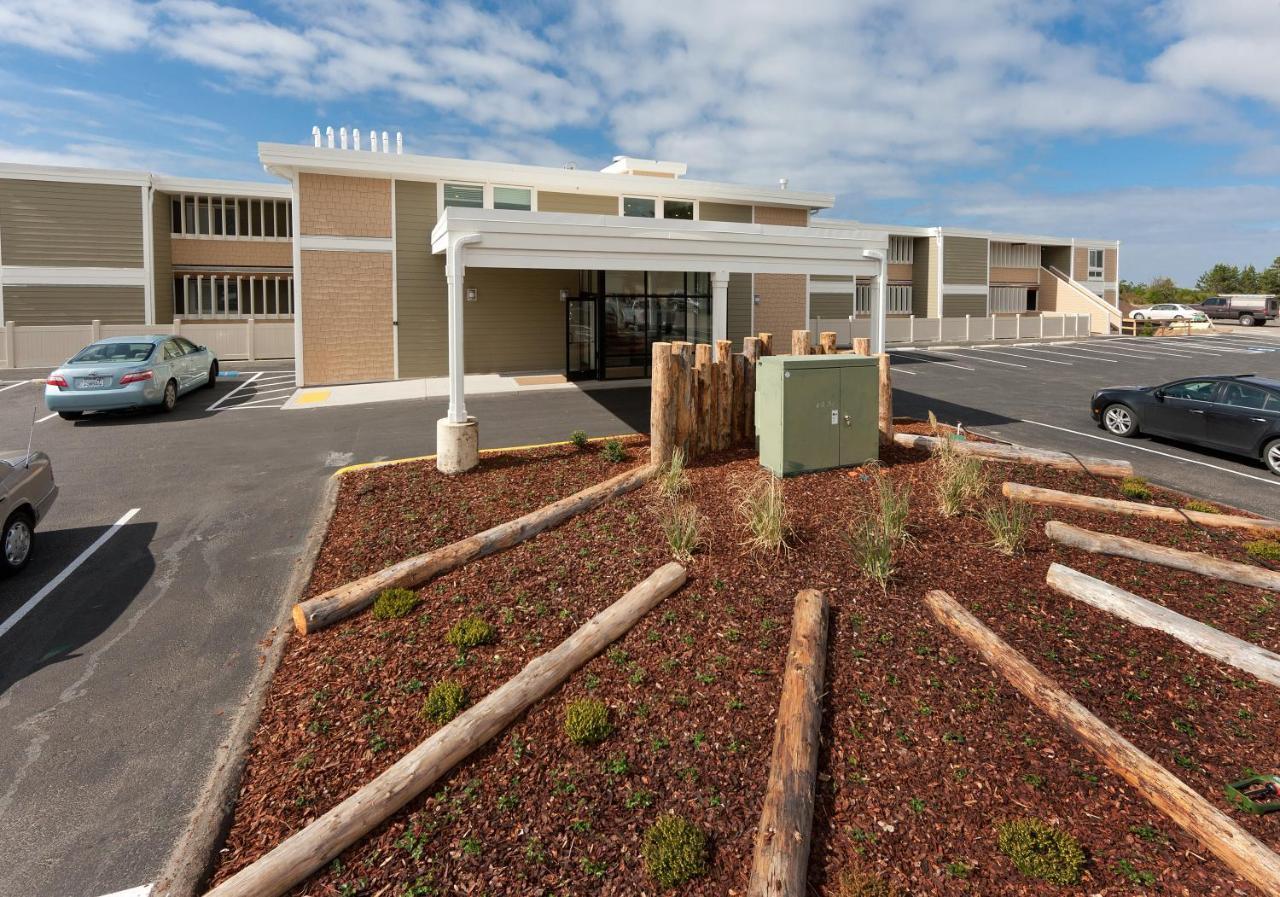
{"type": "Point", "coordinates": [678, 208]}
{"type": "Point", "coordinates": [231, 217]}
{"type": "Point", "coordinates": [1095, 264]}
{"type": "Point", "coordinates": [463, 196]}
{"type": "Point", "coordinates": [901, 250]}
{"type": "Point", "coordinates": [639, 207]}
{"type": "Point", "coordinates": [519, 198]}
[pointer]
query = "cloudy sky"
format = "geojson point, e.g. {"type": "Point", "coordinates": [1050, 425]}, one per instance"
{"type": "Point", "coordinates": [1152, 123]}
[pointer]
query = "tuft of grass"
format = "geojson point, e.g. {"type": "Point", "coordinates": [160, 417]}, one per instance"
{"type": "Point", "coordinates": [674, 851]}
{"type": "Point", "coordinates": [861, 882]}
{"type": "Point", "coordinates": [682, 526]}
{"type": "Point", "coordinates": [672, 478]}
{"type": "Point", "coordinates": [1039, 850]}
{"type": "Point", "coordinates": [763, 510]}
{"type": "Point", "coordinates": [445, 700]}
{"type": "Point", "coordinates": [613, 451]}
{"type": "Point", "coordinates": [894, 506]}
{"type": "Point", "coordinates": [961, 479]}
{"type": "Point", "coordinates": [586, 721]}
{"type": "Point", "coordinates": [578, 438]}
{"type": "Point", "coordinates": [470, 632]}
{"type": "Point", "coordinates": [391, 604]}
{"type": "Point", "coordinates": [1263, 549]}
{"type": "Point", "coordinates": [1009, 523]}
{"type": "Point", "coordinates": [874, 538]}
{"type": "Point", "coordinates": [1203, 507]}
{"type": "Point", "coordinates": [1135, 488]}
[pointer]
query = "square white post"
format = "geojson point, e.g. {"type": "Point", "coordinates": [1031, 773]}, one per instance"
{"type": "Point", "coordinates": [719, 307]}
{"type": "Point", "coordinates": [10, 345]}
{"type": "Point", "coordinates": [457, 435]}
{"type": "Point", "coordinates": [967, 337]}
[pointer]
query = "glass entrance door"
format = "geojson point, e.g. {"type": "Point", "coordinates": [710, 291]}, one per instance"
{"type": "Point", "coordinates": [582, 332]}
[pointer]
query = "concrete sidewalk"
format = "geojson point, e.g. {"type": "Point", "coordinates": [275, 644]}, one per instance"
{"type": "Point", "coordinates": [438, 387]}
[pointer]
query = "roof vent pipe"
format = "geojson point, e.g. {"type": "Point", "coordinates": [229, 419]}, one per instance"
{"type": "Point", "coordinates": [386, 142]}
{"type": "Point", "coordinates": [399, 144]}
{"type": "Point", "coordinates": [328, 133]}
{"type": "Point", "coordinates": [315, 135]}
{"type": "Point", "coordinates": [782, 183]}
{"type": "Point", "coordinates": [373, 140]}
{"type": "Point", "coordinates": [355, 138]}
{"type": "Point", "coordinates": [342, 136]}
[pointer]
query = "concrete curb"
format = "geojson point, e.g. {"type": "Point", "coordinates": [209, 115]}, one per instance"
{"type": "Point", "coordinates": [187, 870]}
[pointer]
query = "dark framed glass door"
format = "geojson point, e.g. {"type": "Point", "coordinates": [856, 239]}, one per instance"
{"type": "Point", "coordinates": [582, 329]}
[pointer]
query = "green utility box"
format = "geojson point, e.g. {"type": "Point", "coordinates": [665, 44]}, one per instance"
{"type": "Point", "coordinates": [815, 412]}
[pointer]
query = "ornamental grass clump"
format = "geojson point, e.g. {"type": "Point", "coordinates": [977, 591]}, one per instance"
{"type": "Point", "coordinates": [578, 438]}
{"type": "Point", "coordinates": [1039, 850]}
{"type": "Point", "coordinates": [1135, 488]}
{"type": "Point", "coordinates": [674, 851]}
{"type": "Point", "coordinates": [1009, 523]}
{"type": "Point", "coordinates": [470, 632]}
{"type": "Point", "coordinates": [586, 721]}
{"type": "Point", "coordinates": [391, 604]}
{"type": "Point", "coordinates": [682, 526]}
{"type": "Point", "coordinates": [1263, 549]}
{"type": "Point", "coordinates": [763, 509]}
{"type": "Point", "coordinates": [672, 478]}
{"type": "Point", "coordinates": [859, 882]}
{"type": "Point", "coordinates": [874, 539]}
{"type": "Point", "coordinates": [961, 479]}
{"type": "Point", "coordinates": [445, 701]}
{"type": "Point", "coordinates": [613, 451]}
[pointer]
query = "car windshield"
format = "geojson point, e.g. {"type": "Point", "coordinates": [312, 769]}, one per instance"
{"type": "Point", "coordinates": [113, 353]}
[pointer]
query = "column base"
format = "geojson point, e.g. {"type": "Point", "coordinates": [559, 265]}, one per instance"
{"type": "Point", "coordinates": [457, 446]}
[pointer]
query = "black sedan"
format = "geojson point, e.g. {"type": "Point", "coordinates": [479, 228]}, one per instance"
{"type": "Point", "coordinates": [1238, 414]}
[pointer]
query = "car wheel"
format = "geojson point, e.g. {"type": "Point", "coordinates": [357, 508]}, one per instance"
{"type": "Point", "coordinates": [1120, 420]}
{"type": "Point", "coordinates": [213, 376]}
{"type": "Point", "coordinates": [1271, 456]}
{"type": "Point", "coordinates": [1179, 318]}
{"type": "Point", "coordinates": [1246, 320]}
{"type": "Point", "coordinates": [1139, 316]}
{"type": "Point", "coordinates": [70, 415]}
{"type": "Point", "coordinates": [170, 399]}
{"type": "Point", "coordinates": [15, 541]}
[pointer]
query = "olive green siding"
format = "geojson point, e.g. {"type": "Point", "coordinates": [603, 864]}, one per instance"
{"type": "Point", "coordinates": [738, 302]}
{"type": "Point", "coordinates": [1056, 257]}
{"type": "Point", "coordinates": [724, 211]}
{"type": "Point", "coordinates": [957, 305]}
{"type": "Point", "coordinates": [964, 260]}
{"type": "Point", "coordinates": [830, 305]}
{"type": "Point", "coordinates": [584, 204]}
{"type": "Point", "coordinates": [421, 335]}
{"type": "Point", "coordinates": [46, 305]}
{"type": "Point", "coordinates": [162, 258]}
{"type": "Point", "coordinates": [54, 224]}
{"type": "Point", "coordinates": [924, 278]}
{"type": "Point", "coordinates": [517, 322]}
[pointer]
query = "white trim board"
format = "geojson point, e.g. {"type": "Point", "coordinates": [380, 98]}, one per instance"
{"type": "Point", "coordinates": [31, 275]}
{"type": "Point", "coordinates": [965, 289]}
{"type": "Point", "coordinates": [345, 244]}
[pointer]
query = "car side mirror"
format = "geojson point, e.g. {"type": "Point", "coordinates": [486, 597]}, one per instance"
{"type": "Point", "coordinates": [1158, 394]}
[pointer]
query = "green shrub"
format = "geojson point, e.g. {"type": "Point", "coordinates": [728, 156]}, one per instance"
{"type": "Point", "coordinates": [579, 438]}
{"type": "Point", "coordinates": [1263, 549]}
{"type": "Point", "coordinates": [1039, 850]}
{"type": "Point", "coordinates": [445, 701]}
{"type": "Point", "coordinates": [682, 525]}
{"type": "Point", "coordinates": [470, 632]}
{"type": "Point", "coordinates": [1009, 523]}
{"type": "Point", "coordinates": [1135, 488]}
{"type": "Point", "coordinates": [674, 851]}
{"type": "Point", "coordinates": [392, 604]}
{"type": "Point", "coordinates": [586, 721]}
{"type": "Point", "coordinates": [764, 510]}
{"type": "Point", "coordinates": [613, 451]}
{"type": "Point", "coordinates": [672, 478]}
{"type": "Point", "coordinates": [1202, 506]}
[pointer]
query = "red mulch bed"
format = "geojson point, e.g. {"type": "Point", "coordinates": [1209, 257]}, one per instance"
{"type": "Point", "coordinates": [925, 749]}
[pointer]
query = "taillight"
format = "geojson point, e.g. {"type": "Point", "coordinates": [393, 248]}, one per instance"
{"type": "Point", "coordinates": [135, 377]}
{"type": "Point", "coordinates": [57, 380]}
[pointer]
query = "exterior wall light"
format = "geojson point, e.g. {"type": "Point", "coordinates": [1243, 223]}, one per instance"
{"type": "Point", "coordinates": [564, 295]}
{"type": "Point", "coordinates": [755, 299]}
{"type": "Point", "coordinates": [472, 294]}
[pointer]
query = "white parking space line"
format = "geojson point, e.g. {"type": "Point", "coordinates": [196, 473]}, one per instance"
{"type": "Point", "coordinates": [1009, 364]}
{"type": "Point", "coordinates": [214, 406]}
{"type": "Point", "coordinates": [14, 385]}
{"type": "Point", "coordinates": [52, 584]}
{"type": "Point", "coordinates": [264, 392]}
{"type": "Point", "coordinates": [1270, 481]}
{"type": "Point", "coordinates": [1056, 351]}
{"type": "Point", "coordinates": [47, 417]}
{"type": "Point", "coordinates": [1018, 355]}
{"type": "Point", "coordinates": [1149, 350]}
{"type": "Point", "coordinates": [1122, 351]}
{"type": "Point", "coordinates": [930, 361]}
{"type": "Point", "coordinates": [139, 891]}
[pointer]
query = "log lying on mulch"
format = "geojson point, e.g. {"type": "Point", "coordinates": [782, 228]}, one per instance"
{"type": "Point", "coordinates": [1191, 561]}
{"type": "Point", "coordinates": [1018, 454]}
{"type": "Point", "coordinates": [1039, 496]}
{"type": "Point", "coordinates": [303, 853]}
{"type": "Point", "coordinates": [1241, 852]}
{"type": "Point", "coordinates": [1227, 648]}
{"type": "Point", "coordinates": [336, 604]}
{"type": "Point", "coordinates": [780, 865]}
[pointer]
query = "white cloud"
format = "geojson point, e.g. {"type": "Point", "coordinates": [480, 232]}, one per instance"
{"type": "Point", "coordinates": [71, 28]}
{"type": "Point", "coordinates": [1229, 46]}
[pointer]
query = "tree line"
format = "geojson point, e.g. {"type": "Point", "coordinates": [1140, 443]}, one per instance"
{"type": "Point", "coordinates": [1221, 278]}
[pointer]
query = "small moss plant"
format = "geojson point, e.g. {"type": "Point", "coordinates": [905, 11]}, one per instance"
{"type": "Point", "coordinates": [682, 526]}
{"type": "Point", "coordinates": [674, 851]}
{"type": "Point", "coordinates": [1039, 850]}
{"type": "Point", "coordinates": [1263, 549]}
{"type": "Point", "coordinates": [578, 438]}
{"type": "Point", "coordinates": [672, 478]}
{"type": "Point", "coordinates": [613, 451]}
{"type": "Point", "coordinates": [391, 604]}
{"type": "Point", "coordinates": [445, 701]}
{"type": "Point", "coordinates": [1202, 506]}
{"type": "Point", "coordinates": [1008, 523]}
{"type": "Point", "coordinates": [469, 632]}
{"type": "Point", "coordinates": [586, 721]}
{"type": "Point", "coordinates": [1135, 488]}
{"type": "Point", "coordinates": [763, 509]}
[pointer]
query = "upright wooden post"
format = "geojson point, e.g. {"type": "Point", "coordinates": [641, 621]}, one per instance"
{"type": "Point", "coordinates": [886, 400]}
{"type": "Point", "coordinates": [827, 342]}
{"type": "Point", "coordinates": [799, 342]}
{"type": "Point", "coordinates": [682, 352]}
{"type": "Point", "coordinates": [662, 404]}
{"type": "Point", "coordinates": [724, 394]}
{"type": "Point", "coordinates": [766, 343]}
{"type": "Point", "coordinates": [861, 346]}
{"type": "Point", "coordinates": [752, 350]}
{"type": "Point", "coordinates": [702, 410]}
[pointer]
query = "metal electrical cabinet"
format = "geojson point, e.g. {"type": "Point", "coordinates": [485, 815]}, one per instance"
{"type": "Point", "coordinates": [815, 412]}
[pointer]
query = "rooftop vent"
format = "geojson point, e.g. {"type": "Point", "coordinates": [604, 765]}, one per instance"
{"type": "Point", "coordinates": [648, 167]}
{"type": "Point", "coordinates": [354, 144]}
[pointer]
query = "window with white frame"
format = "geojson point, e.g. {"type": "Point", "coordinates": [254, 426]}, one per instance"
{"type": "Point", "coordinates": [232, 295]}
{"type": "Point", "coordinates": [901, 250]}
{"type": "Point", "coordinates": [517, 198]}
{"type": "Point", "coordinates": [231, 217]}
{"type": "Point", "coordinates": [897, 298]}
{"type": "Point", "coordinates": [1015, 255]}
{"type": "Point", "coordinates": [681, 209]}
{"type": "Point", "coordinates": [639, 207]}
{"type": "Point", "coordinates": [1095, 264]}
{"type": "Point", "coordinates": [464, 196]}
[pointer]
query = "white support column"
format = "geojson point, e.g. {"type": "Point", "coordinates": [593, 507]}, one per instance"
{"type": "Point", "coordinates": [10, 345]}
{"type": "Point", "coordinates": [719, 306]}
{"type": "Point", "coordinates": [877, 299]}
{"type": "Point", "coordinates": [457, 435]}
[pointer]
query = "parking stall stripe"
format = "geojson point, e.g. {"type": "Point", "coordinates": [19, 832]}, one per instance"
{"type": "Point", "coordinates": [1073, 355]}
{"type": "Point", "coordinates": [66, 571]}
{"type": "Point", "coordinates": [1153, 350]}
{"type": "Point", "coordinates": [930, 361]}
{"type": "Point", "coordinates": [1017, 355]}
{"type": "Point", "coordinates": [47, 417]}
{"type": "Point", "coordinates": [214, 406]}
{"type": "Point", "coordinates": [1122, 351]}
{"type": "Point", "coordinates": [14, 385]}
{"type": "Point", "coordinates": [1008, 364]}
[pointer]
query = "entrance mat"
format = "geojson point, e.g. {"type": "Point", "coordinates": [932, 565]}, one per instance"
{"type": "Point", "coordinates": [541, 380]}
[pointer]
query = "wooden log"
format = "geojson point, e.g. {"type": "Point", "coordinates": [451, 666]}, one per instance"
{"type": "Point", "coordinates": [336, 604]}
{"type": "Point", "coordinates": [301, 854]}
{"type": "Point", "coordinates": [683, 395]}
{"type": "Point", "coordinates": [742, 399]}
{"type": "Point", "coordinates": [1242, 853]}
{"type": "Point", "coordinates": [886, 399]}
{"type": "Point", "coordinates": [827, 342]}
{"type": "Point", "coordinates": [861, 346]}
{"type": "Point", "coordinates": [753, 351]}
{"type": "Point", "coordinates": [1054, 498]}
{"type": "Point", "coordinates": [751, 348]}
{"type": "Point", "coordinates": [702, 412]}
{"type": "Point", "coordinates": [662, 404]}
{"type": "Point", "coordinates": [780, 864]}
{"type": "Point", "coordinates": [1139, 611]}
{"type": "Point", "coordinates": [1018, 454]}
{"type": "Point", "coordinates": [800, 342]}
{"type": "Point", "coordinates": [766, 343]}
{"type": "Point", "coordinates": [724, 394]}
{"type": "Point", "coordinates": [1191, 561]}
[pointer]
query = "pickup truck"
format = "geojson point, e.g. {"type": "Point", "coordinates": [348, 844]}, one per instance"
{"type": "Point", "coordinates": [1248, 310]}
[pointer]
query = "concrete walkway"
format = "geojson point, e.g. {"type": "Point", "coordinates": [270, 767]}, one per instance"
{"type": "Point", "coordinates": [438, 387]}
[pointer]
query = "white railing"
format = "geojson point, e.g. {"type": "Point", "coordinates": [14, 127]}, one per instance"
{"type": "Point", "coordinates": [969, 329]}
{"type": "Point", "coordinates": [45, 346]}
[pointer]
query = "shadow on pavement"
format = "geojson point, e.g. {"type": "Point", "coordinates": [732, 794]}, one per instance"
{"type": "Point", "coordinates": [910, 404]}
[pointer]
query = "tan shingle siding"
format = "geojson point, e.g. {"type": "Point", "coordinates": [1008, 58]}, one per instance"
{"type": "Point", "coordinates": [724, 211]}
{"type": "Point", "coordinates": [420, 284]}
{"type": "Point", "coordinates": [1109, 265]}
{"type": "Point", "coordinates": [580, 203]}
{"type": "Point", "coordinates": [232, 253]}
{"type": "Point", "coordinates": [1015, 275]}
{"type": "Point", "coordinates": [51, 223]}
{"type": "Point", "coordinates": [346, 317]}
{"type": "Point", "coordinates": [786, 215]}
{"type": "Point", "coordinates": [964, 260]}
{"type": "Point", "coordinates": [30, 306]}
{"type": "Point", "coordinates": [337, 206]}
{"type": "Point", "coordinates": [781, 308]}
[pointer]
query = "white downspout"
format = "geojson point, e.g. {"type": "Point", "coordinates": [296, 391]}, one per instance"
{"type": "Point", "coordinates": [719, 306]}
{"type": "Point", "coordinates": [455, 269]}
{"type": "Point", "coordinates": [877, 298]}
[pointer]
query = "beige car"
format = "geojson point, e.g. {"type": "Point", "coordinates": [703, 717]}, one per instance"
{"type": "Point", "coordinates": [27, 492]}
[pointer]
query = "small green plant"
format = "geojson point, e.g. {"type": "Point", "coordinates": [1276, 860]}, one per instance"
{"type": "Point", "coordinates": [391, 604]}
{"type": "Point", "coordinates": [1135, 488]}
{"type": "Point", "coordinates": [578, 438]}
{"type": "Point", "coordinates": [638, 799]}
{"type": "Point", "coordinates": [586, 721]}
{"type": "Point", "coordinates": [1202, 506]}
{"type": "Point", "coordinates": [763, 509]}
{"type": "Point", "coordinates": [1263, 549]}
{"type": "Point", "coordinates": [861, 882]}
{"type": "Point", "coordinates": [872, 550]}
{"type": "Point", "coordinates": [1039, 850]}
{"type": "Point", "coordinates": [674, 851]}
{"type": "Point", "coordinates": [682, 526]}
{"type": "Point", "coordinates": [961, 479]}
{"type": "Point", "coordinates": [613, 451]}
{"type": "Point", "coordinates": [893, 505]}
{"type": "Point", "coordinates": [1009, 523]}
{"type": "Point", "coordinates": [445, 701]}
{"type": "Point", "coordinates": [959, 869]}
{"type": "Point", "coordinates": [672, 477]}
{"type": "Point", "coordinates": [1134, 875]}
{"type": "Point", "coordinates": [469, 632]}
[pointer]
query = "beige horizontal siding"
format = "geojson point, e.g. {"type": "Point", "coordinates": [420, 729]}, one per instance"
{"type": "Point", "coordinates": [957, 305]}
{"type": "Point", "coordinates": [422, 335]}
{"type": "Point", "coordinates": [924, 280]}
{"type": "Point", "coordinates": [724, 211]}
{"type": "Point", "coordinates": [232, 253]}
{"type": "Point", "coordinates": [964, 260]}
{"type": "Point", "coordinates": [49, 305]}
{"type": "Point", "coordinates": [580, 203]}
{"type": "Point", "coordinates": [53, 223]}
{"type": "Point", "coordinates": [161, 259]}
{"type": "Point", "coordinates": [517, 322]}
{"type": "Point", "coordinates": [738, 302]}
{"type": "Point", "coordinates": [830, 305]}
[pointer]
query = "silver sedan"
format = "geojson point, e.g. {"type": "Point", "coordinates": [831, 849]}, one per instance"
{"type": "Point", "coordinates": [27, 492]}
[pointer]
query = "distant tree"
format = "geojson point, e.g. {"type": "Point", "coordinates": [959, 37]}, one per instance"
{"type": "Point", "coordinates": [1269, 279]}
{"type": "Point", "coordinates": [1250, 281]}
{"type": "Point", "coordinates": [1221, 278]}
{"type": "Point", "coordinates": [1163, 289]}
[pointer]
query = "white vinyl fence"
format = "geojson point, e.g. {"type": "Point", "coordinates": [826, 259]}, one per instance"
{"type": "Point", "coordinates": [957, 330]}
{"type": "Point", "coordinates": [246, 340]}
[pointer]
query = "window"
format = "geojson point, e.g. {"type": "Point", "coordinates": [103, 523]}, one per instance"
{"type": "Point", "coordinates": [1215, 301]}
{"type": "Point", "coordinates": [518, 198]}
{"type": "Point", "coordinates": [1197, 390]}
{"type": "Point", "coordinates": [901, 250]}
{"type": "Point", "coordinates": [636, 207]}
{"type": "Point", "coordinates": [231, 217]}
{"type": "Point", "coordinates": [232, 296]}
{"type": "Point", "coordinates": [677, 208]}
{"type": "Point", "coordinates": [1095, 264]}
{"type": "Point", "coordinates": [463, 196]}
{"type": "Point", "coordinates": [1240, 395]}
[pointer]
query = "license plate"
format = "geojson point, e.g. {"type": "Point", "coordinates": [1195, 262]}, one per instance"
{"type": "Point", "coordinates": [90, 382]}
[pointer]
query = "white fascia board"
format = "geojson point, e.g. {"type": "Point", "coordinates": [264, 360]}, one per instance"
{"type": "Point", "coordinates": [885, 230]}
{"type": "Point", "coordinates": [20, 172]}
{"type": "Point", "coordinates": [284, 158]}
{"type": "Point", "coordinates": [965, 289]}
{"type": "Point", "coordinates": [345, 244]}
{"type": "Point", "coordinates": [30, 275]}
{"type": "Point", "coordinates": [254, 189]}
{"type": "Point", "coordinates": [1041, 239]}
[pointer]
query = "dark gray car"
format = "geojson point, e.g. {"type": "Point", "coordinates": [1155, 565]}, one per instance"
{"type": "Point", "coordinates": [27, 491]}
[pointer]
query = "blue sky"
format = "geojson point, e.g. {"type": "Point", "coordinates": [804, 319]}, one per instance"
{"type": "Point", "coordinates": [1152, 123]}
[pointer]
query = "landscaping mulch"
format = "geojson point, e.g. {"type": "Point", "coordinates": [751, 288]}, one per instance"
{"type": "Point", "coordinates": [925, 749]}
